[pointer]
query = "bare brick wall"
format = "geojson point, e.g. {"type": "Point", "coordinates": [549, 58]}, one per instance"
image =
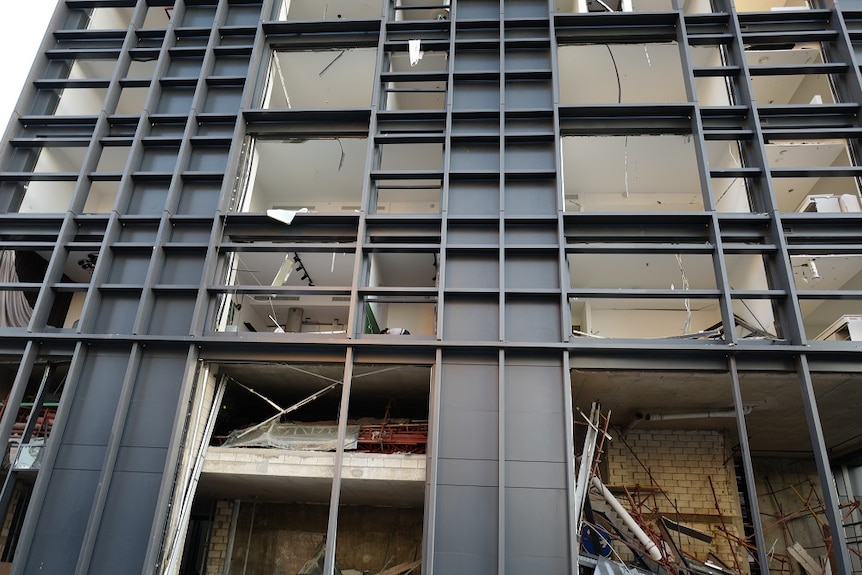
{"type": "Point", "coordinates": [668, 472]}
{"type": "Point", "coordinates": [219, 535]}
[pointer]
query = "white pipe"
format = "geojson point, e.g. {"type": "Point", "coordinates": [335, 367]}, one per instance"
{"type": "Point", "coordinates": [639, 533]}
{"type": "Point", "coordinates": [696, 415]}
{"type": "Point", "coordinates": [710, 414]}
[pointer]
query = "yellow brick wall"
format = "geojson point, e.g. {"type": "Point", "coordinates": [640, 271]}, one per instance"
{"type": "Point", "coordinates": [219, 535]}
{"type": "Point", "coordinates": [668, 473]}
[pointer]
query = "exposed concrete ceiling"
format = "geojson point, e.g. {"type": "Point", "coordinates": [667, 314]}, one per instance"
{"type": "Point", "coordinates": [775, 425]}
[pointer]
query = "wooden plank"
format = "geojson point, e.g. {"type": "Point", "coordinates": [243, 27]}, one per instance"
{"type": "Point", "coordinates": [804, 559]}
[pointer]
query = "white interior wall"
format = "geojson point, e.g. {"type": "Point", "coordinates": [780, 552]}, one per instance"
{"type": "Point", "coordinates": [101, 197]}
{"type": "Point", "coordinates": [649, 323]}
{"type": "Point", "coordinates": [75, 308]}
{"type": "Point", "coordinates": [417, 318]}
{"type": "Point", "coordinates": [110, 18]}
{"type": "Point", "coordinates": [80, 102]}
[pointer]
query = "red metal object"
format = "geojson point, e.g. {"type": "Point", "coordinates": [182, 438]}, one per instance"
{"type": "Point", "coordinates": [393, 437]}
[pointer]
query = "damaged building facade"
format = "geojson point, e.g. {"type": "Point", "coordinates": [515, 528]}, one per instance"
{"type": "Point", "coordinates": [393, 287]}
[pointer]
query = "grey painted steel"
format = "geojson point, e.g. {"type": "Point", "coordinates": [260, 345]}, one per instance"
{"type": "Point", "coordinates": [827, 482]}
{"type": "Point", "coordinates": [476, 346]}
{"type": "Point", "coordinates": [748, 468]}
{"type": "Point", "coordinates": [335, 488]}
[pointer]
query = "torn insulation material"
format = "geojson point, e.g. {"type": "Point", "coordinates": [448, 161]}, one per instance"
{"type": "Point", "coordinates": [415, 51]}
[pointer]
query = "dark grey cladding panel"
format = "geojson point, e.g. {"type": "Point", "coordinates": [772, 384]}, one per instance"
{"type": "Point", "coordinates": [171, 314]}
{"type": "Point", "coordinates": [154, 401]}
{"type": "Point", "coordinates": [126, 523]}
{"type": "Point", "coordinates": [471, 319]}
{"type": "Point", "coordinates": [536, 530]}
{"type": "Point", "coordinates": [478, 472]}
{"type": "Point", "coordinates": [472, 270]}
{"type": "Point", "coordinates": [466, 537]}
{"type": "Point", "coordinates": [116, 314]}
{"type": "Point", "coordinates": [535, 437]}
{"type": "Point", "coordinates": [531, 198]}
{"type": "Point", "coordinates": [96, 396]}
{"type": "Point", "coordinates": [535, 474]}
{"type": "Point", "coordinates": [532, 271]}
{"type": "Point", "coordinates": [65, 511]}
{"type": "Point", "coordinates": [530, 320]}
{"type": "Point", "coordinates": [126, 520]}
{"type": "Point", "coordinates": [468, 434]}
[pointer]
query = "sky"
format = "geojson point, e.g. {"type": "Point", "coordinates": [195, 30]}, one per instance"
{"type": "Point", "coordinates": [22, 27]}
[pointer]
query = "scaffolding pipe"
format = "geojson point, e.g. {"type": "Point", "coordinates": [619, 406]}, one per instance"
{"type": "Point", "coordinates": [650, 546]}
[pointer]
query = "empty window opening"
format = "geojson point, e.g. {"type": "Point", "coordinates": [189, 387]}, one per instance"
{"type": "Point", "coordinates": [101, 197]}
{"type": "Point", "coordinates": [68, 102]}
{"type": "Point", "coordinates": [407, 196]}
{"type": "Point", "coordinates": [406, 93]}
{"type": "Point", "coordinates": [317, 79]}
{"type": "Point", "coordinates": [141, 69]}
{"type": "Point", "coordinates": [48, 159]}
{"type": "Point", "coordinates": [329, 10]}
{"type": "Point", "coordinates": [44, 196]}
{"type": "Point", "coordinates": [410, 157]}
{"type": "Point", "coordinates": [319, 175]}
{"type": "Point", "coordinates": [35, 417]}
{"type": "Point", "coordinates": [630, 174]}
{"type": "Point", "coordinates": [783, 461]}
{"type": "Point", "coordinates": [398, 315]}
{"type": "Point", "coordinates": [813, 192]}
{"type": "Point", "coordinates": [711, 89]}
{"type": "Point", "coordinates": [641, 271]}
{"type": "Point", "coordinates": [403, 269]}
{"type": "Point", "coordinates": [391, 407]}
{"type": "Point", "coordinates": [421, 9]}
{"type": "Point", "coordinates": [24, 273]}
{"type": "Point", "coordinates": [755, 319]}
{"type": "Point", "coordinates": [840, 317]}
{"type": "Point", "coordinates": [293, 308]}
{"type": "Point", "coordinates": [80, 69]}
{"type": "Point", "coordinates": [131, 100]}
{"type": "Point", "coordinates": [648, 412]}
{"type": "Point", "coordinates": [107, 18]}
{"type": "Point", "coordinates": [584, 6]}
{"type": "Point", "coordinates": [620, 73]}
{"type": "Point", "coordinates": [799, 88]}
{"type": "Point", "coordinates": [269, 421]}
{"type": "Point", "coordinates": [646, 318]}
{"type": "Point", "coordinates": [770, 5]}
{"type": "Point", "coordinates": [731, 193]}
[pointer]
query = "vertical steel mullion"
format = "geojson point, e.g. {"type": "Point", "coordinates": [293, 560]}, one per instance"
{"type": "Point", "coordinates": [162, 514]}
{"type": "Point", "coordinates": [501, 183]}
{"type": "Point", "coordinates": [38, 401]}
{"type": "Point", "coordinates": [361, 260]}
{"type": "Point", "coordinates": [696, 120]}
{"type": "Point", "coordinates": [232, 166]}
{"type": "Point", "coordinates": [444, 182]}
{"type": "Point", "coordinates": [565, 276]}
{"type": "Point", "coordinates": [821, 459]}
{"type": "Point", "coordinates": [571, 461]}
{"type": "Point", "coordinates": [157, 257]}
{"type": "Point", "coordinates": [748, 467]}
{"type": "Point", "coordinates": [501, 462]}
{"type": "Point", "coordinates": [49, 454]}
{"type": "Point", "coordinates": [779, 267]}
{"type": "Point", "coordinates": [57, 262]}
{"type": "Point", "coordinates": [566, 313]}
{"type": "Point", "coordinates": [10, 413]}
{"type": "Point", "coordinates": [431, 464]}
{"type": "Point", "coordinates": [722, 280]}
{"type": "Point", "coordinates": [335, 493]}
{"type": "Point", "coordinates": [103, 487]}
